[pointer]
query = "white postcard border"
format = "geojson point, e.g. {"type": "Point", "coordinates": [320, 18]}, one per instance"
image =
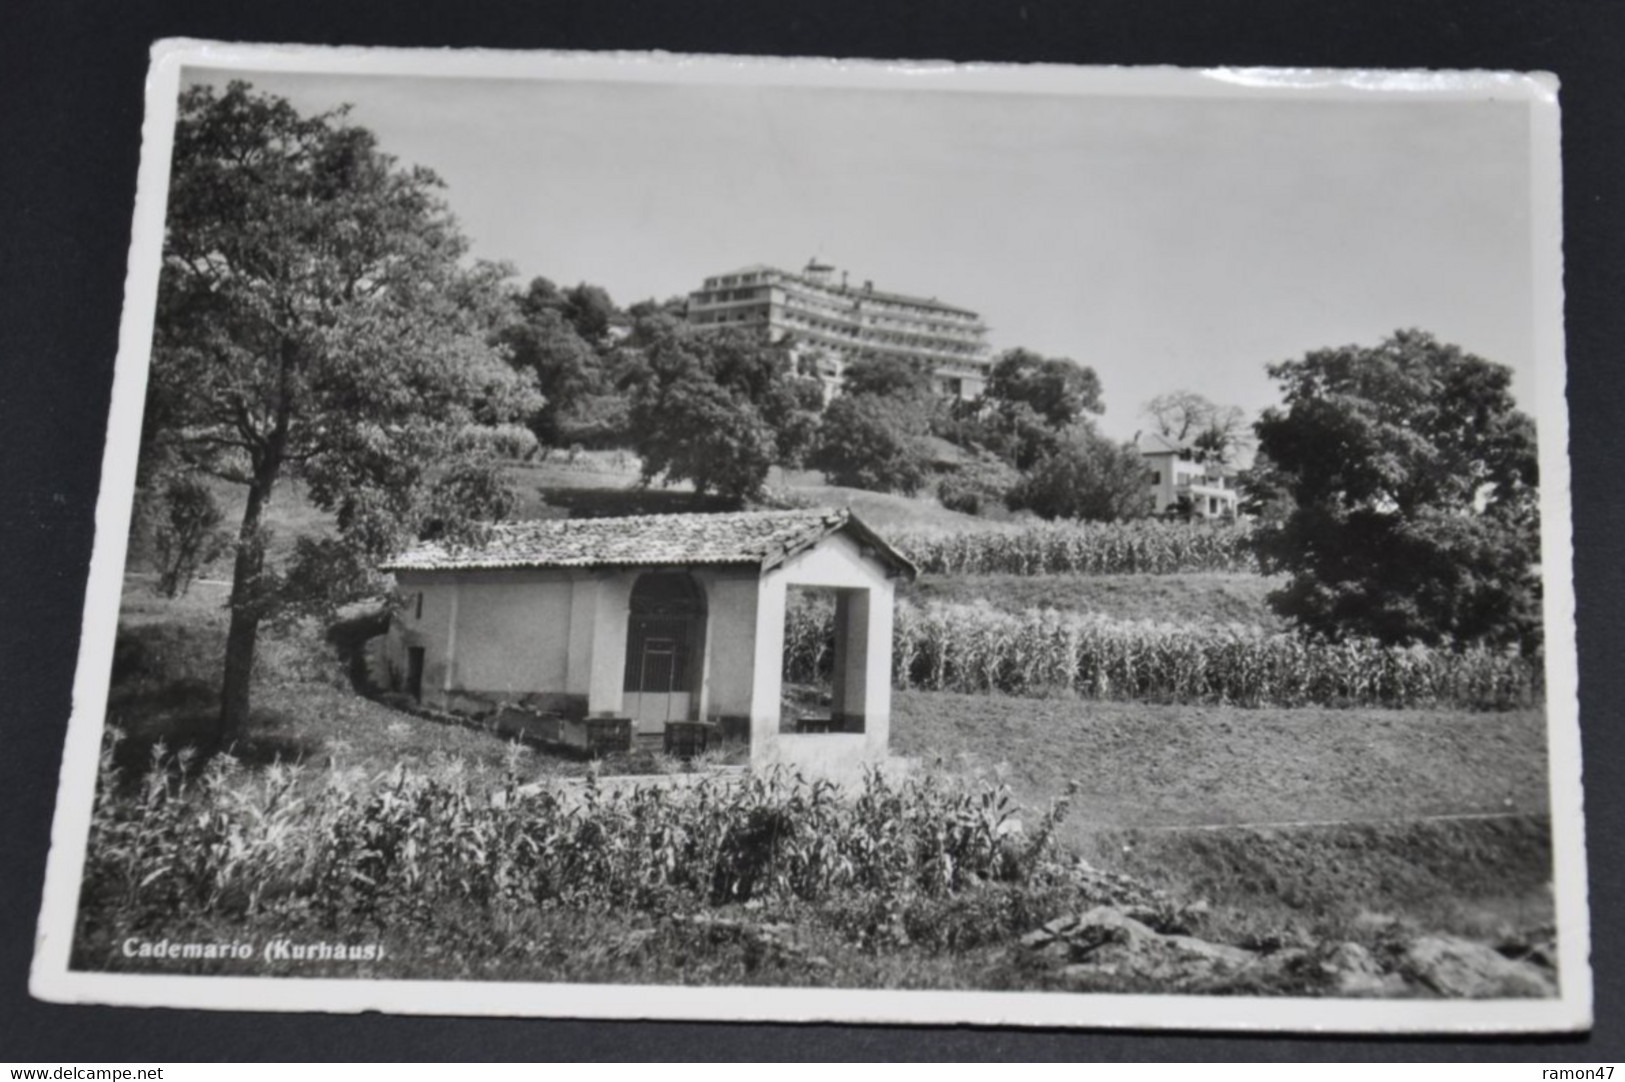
{"type": "Point", "coordinates": [52, 980]}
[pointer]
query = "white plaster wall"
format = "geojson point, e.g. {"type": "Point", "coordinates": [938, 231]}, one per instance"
{"type": "Point", "coordinates": [1164, 488]}
{"type": "Point", "coordinates": [840, 564]}
{"type": "Point", "coordinates": [583, 610]}
{"type": "Point", "coordinates": [513, 633]}
{"type": "Point", "coordinates": [496, 633]}
{"type": "Point", "coordinates": [837, 562]}
{"type": "Point", "coordinates": [729, 667]}
{"type": "Point", "coordinates": [609, 598]}
{"type": "Point", "coordinates": [428, 629]}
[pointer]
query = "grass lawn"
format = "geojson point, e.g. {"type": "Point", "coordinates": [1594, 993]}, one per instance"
{"type": "Point", "coordinates": [882, 510]}
{"type": "Point", "coordinates": [1152, 776]}
{"type": "Point", "coordinates": [1188, 598]}
{"type": "Point", "coordinates": [1153, 765]}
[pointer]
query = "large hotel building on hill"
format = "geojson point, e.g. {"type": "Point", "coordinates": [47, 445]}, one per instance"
{"type": "Point", "coordinates": [834, 323]}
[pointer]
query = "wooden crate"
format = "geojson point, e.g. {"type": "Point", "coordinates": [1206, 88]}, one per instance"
{"type": "Point", "coordinates": [597, 736]}
{"type": "Point", "coordinates": [686, 739]}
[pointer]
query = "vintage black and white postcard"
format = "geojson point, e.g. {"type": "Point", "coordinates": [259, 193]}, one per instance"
{"type": "Point", "coordinates": [697, 537]}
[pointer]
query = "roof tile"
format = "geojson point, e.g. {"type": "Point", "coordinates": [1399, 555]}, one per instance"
{"type": "Point", "coordinates": [746, 537]}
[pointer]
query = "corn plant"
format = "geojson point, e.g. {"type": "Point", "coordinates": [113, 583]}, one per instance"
{"type": "Point", "coordinates": [335, 847]}
{"type": "Point", "coordinates": [1147, 547]}
{"type": "Point", "coordinates": [979, 649]}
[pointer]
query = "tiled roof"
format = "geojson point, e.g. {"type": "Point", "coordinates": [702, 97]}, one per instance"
{"type": "Point", "coordinates": [761, 538]}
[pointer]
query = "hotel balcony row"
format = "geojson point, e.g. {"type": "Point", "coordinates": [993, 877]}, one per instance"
{"type": "Point", "coordinates": [838, 305]}
{"type": "Point", "coordinates": [850, 322]}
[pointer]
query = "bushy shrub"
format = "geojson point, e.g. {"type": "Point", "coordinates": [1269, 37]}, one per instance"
{"type": "Point", "coordinates": [597, 421]}
{"type": "Point", "coordinates": [977, 486]}
{"type": "Point", "coordinates": [512, 442]}
{"type": "Point", "coordinates": [188, 536]}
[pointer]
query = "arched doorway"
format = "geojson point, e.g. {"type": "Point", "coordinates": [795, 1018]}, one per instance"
{"type": "Point", "coordinates": [665, 631]}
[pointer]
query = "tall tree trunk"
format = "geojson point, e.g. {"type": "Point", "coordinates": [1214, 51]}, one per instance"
{"type": "Point", "coordinates": [247, 607]}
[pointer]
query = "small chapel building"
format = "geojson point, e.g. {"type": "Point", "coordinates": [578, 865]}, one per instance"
{"type": "Point", "coordinates": [658, 621]}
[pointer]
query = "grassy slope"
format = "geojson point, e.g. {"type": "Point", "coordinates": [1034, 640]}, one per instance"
{"type": "Point", "coordinates": [882, 510]}
{"type": "Point", "coordinates": [1142, 767]}
{"type": "Point", "coordinates": [1485, 879]}
{"type": "Point", "coordinates": [1146, 765]}
{"type": "Point", "coordinates": [1216, 598]}
{"type": "Point", "coordinates": [304, 709]}
{"type": "Point", "coordinates": [600, 482]}
{"type": "Point", "coordinates": [1147, 773]}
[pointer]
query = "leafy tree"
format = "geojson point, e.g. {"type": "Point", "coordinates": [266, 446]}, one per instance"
{"type": "Point", "coordinates": [1213, 433]}
{"type": "Point", "coordinates": [1023, 413]}
{"type": "Point", "coordinates": [590, 311]}
{"type": "Point", "coordinates": [872, 436]}
{"type": "Point", "coordinates": [675, 307]}
{"type": "Point", "coordinates": [886, 377]}
{"type": "Point", "coordinates": [716, 408]}
{"type": "Point", "coordinates": [1404, 489]}
{"type": "Point", "coordinates": [867, 441]}
{"type": "Point", "coordinates": [1086, 476]}
{"type": "Point", "coordinates": [543, 340]}
{"type": "Point", "coordinates": [1059, 390]}
{"type": "Point", "coordinates": [315, 320]}
{"type": "Point", "coordinates": [1009, 431]}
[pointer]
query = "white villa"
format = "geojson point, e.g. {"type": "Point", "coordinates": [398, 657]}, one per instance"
{"type": "Point", "coordinates": [1174, 475]}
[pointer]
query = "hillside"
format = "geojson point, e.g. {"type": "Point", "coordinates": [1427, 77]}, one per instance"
{"type": "Point", "coordinates": [591, 483]}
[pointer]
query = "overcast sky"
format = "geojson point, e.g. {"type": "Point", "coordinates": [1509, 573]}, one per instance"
{"type": "Point", "coordinates": [1168, 243]}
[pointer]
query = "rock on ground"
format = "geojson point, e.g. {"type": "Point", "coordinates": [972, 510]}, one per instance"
{"type": "Point", "coordinates": [1106, 942]}
{"type": "Point", "coordinates": [1461, 968]}
{"type": "Point", "coordinates": [1109, 946]}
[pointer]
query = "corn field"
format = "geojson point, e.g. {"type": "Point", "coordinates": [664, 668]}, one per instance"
{"type": "Point", "coordinates": [1147, 547]}
{"type": "Point", "coordinates": [331, 847]}
{"type": "Point", "coordinates": [977, 649]}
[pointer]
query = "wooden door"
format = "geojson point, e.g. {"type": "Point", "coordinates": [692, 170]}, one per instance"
{"type": "Point", "coordinates": [414, 672]}
{"type": "Point", "coordinates": [658, 682]}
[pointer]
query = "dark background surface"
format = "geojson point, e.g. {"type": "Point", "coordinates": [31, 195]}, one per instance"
{"type": "Point", "coordinates": [71, 77]}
